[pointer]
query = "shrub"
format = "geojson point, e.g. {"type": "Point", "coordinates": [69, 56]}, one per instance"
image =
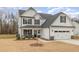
{"type": "Point", "coordinates": [38, 36]}
{"type": "Point", "coordinates": [26, 36]}
{"type": "Point", "coordinates": [17, 37]}
{"type": "Point", "coordinates": [23, 37]}
{"type": "Point", "coordinates": [33, 36]}
{"type": "Point", "coordinates": [29, 36]}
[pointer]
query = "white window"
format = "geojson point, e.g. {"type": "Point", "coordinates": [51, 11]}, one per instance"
{"type": "Point", "coordinates": [27, 32]}
{"type": "Point", "coordinates": [27, 21]}
{"type": "Point", "coordinates": [63, 19]}
{"type": "Point", "coordinates": [37, 22]}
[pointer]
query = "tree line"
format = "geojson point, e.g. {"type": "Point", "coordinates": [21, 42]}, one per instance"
{"type": "Point", "coordinates": [8, 23]}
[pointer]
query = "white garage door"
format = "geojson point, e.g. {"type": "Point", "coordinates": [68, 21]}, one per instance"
{"type": "Point", "coordinates": [62, 35]}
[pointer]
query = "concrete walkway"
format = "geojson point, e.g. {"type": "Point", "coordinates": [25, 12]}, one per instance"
{"type": "Point", "coordinates": [75, 42]}
{"type": "Point", "coordinates": [44, 40]}
{"type": "Point", "coordinates": [71, 41]}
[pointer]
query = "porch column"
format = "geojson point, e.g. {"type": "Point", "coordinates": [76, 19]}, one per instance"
{"type": "Point", "coordinates": [32, 31]}
{"type": "Point", "coordinates": [22, 32]}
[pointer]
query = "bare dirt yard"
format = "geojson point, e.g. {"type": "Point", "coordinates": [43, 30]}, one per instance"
{"type": "Point", "coordinates": [8, 43]}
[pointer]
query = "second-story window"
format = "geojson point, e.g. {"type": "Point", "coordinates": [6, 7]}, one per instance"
{"type": "Point", "coordinates": [63, 19]}
{"type": "Point", "coordinates": [27, 21]}
{"type": "Point", "coordinates": [37, 22]}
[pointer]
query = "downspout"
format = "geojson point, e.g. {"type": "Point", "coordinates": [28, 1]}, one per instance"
{"type": "Point", "coordinates": [49, 32]}
{"type": "Point", "coordinates": [21, 25]}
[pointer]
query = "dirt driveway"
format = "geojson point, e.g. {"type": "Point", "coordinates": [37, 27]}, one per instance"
{"type": "Point", "coordinates": [25, 45]}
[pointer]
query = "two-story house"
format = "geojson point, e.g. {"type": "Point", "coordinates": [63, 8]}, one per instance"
{"type": "Point", "coordinates": [47, 26]}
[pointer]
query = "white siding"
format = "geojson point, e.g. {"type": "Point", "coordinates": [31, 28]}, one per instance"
{"type": "Point", "coordinates": [19, 22]}
{"type": "Point", "coordinates": [20, 31]}
{"type": "Point", "coordinates": [45, 33]}
{"type": "Point", "coordinates": [62, 35]}
{"type": "Point", "coordinates": [76, 30]}
{"type": "Point", "coordinates": [57, 21]}
{"type": "Point", "coordinates": [29, 13]}
{"type": "Point", "coordinates": [37, 16]}
{"type": "Point", "coordinates": [60, 29]}
{"type": "Point", "coordinates": [19, 25]}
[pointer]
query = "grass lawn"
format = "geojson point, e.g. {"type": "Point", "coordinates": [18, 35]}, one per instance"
{"type": "Point", "coordinates": [7, 36]}
{"type": "Point", "coordinates": [9, 43]}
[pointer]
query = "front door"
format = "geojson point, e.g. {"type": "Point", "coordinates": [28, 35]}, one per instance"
{"type": "Point", "coordinates": [35, 33]}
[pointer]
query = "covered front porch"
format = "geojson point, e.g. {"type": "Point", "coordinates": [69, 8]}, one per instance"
{"type": "Point", "coordinates": [31, 32]}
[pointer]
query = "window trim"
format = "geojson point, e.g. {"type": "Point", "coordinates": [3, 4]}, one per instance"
{"type": "Point", "coordinates": [24, 20]}
{"type": "Point", "coordinates": [29, 22]}
{"type": "Point", "coordinates": [36, 23]}
{"type": "Point", "coordinates": [27, 19]}
{"type": "Point", "coordinates": [62, 19]}
{"type": "Point", "coordinates": [28, 31]}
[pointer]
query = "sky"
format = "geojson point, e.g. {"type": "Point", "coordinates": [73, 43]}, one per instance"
{"type": "Point", "coordinates": [53, 10]}
{"type": "Point", "coordinates": [72, 11]}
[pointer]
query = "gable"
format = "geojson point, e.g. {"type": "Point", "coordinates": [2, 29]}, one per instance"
{"type": "Point", "coordinates": [37, 16]}
{"type": "Point", "coordinates": [29, 13]}
{"type": "Point", "coordinates": [46, 19]}
{"type": "Point", "coordinates": [58, 23]}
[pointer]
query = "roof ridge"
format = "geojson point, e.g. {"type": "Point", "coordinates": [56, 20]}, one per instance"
{"type": "Point", "coordinates": [45, 13]}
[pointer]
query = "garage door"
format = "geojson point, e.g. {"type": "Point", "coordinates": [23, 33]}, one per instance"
{"type": "Point", "coordinates": [62, 35]}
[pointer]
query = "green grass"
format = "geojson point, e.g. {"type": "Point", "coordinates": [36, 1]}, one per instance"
{"type": "Point", "coordinates": [7, 36]}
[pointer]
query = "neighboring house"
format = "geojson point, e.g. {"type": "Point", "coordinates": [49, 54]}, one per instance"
{"type": "Point", "coordinates": [47, 26]}
{"type": "Point", "coordinates": [76, 30]}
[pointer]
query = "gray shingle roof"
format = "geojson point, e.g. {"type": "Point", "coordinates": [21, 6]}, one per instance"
{"type": "Point", "coordinates": [21, 12]}
{"type": "Point", "coordinates": [49, 18]}
{"type": "Point", "coordinates": [45, 16]}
